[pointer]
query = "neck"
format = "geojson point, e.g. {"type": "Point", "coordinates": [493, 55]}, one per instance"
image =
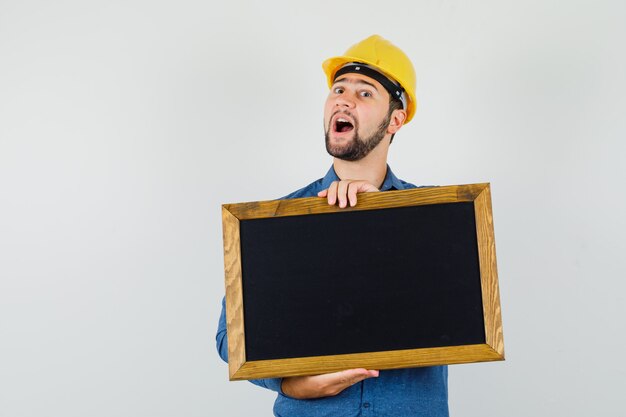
{"type": "Point", "coordinates": [372, 168]}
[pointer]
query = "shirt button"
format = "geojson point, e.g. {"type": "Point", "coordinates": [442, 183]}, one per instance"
{"type": "Point", "coordinates": [366, 405]}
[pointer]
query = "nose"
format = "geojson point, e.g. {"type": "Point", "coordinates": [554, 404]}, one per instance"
{"type": "Point", "coordinates": [344, 100]}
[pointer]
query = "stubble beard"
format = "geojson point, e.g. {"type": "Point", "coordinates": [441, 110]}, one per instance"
{"type": "Point", "coordinates": [357, 148]}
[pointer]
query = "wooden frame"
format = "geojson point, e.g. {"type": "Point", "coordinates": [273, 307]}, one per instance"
{"type": "Point", "coordinates": [491, 350]}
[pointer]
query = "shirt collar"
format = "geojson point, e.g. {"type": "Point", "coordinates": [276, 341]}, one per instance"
{"type": "Point", "coordinates": [391, 182]}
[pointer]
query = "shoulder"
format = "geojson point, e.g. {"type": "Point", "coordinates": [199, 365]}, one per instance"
{"type": "Point", "coordinates": [392, 182]}
{"type": "Point", "coordinates": [408, 186]}
{"type": "Point", "coordinates": [310, 190]}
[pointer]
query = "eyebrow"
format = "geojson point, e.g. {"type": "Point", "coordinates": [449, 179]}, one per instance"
{"type": "Point", "coordinates": [354, 81]}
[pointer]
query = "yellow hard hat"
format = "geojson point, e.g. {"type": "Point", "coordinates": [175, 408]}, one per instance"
{"type": "Point", "coordinates": [383, 56]}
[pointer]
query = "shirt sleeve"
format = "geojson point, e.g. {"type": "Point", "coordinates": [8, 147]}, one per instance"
{"type": "Point", "coordinates": [221, 339]}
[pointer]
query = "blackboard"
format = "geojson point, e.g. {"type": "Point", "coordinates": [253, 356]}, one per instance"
{"type": "Point", "coordinates": [395, 280]}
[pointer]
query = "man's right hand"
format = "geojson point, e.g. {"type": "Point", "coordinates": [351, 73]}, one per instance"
{"type": "Point", "coordinates": [345, 191]}
{"type": "Point", "coordinates": [326, 385]}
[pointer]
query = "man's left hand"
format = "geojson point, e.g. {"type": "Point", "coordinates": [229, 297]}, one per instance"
{"type": "Point", "coordinates": [345, 191]}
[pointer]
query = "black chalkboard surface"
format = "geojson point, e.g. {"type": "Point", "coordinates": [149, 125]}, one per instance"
{"type": "Point", "coordinates": [319, 284]}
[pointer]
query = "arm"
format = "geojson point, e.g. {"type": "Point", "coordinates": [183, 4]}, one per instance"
{"type": "Point", "coordinates": [221, 339]}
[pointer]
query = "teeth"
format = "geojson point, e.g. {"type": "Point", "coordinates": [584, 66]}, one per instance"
{"type": "Point", "coordinates": [342, 120]}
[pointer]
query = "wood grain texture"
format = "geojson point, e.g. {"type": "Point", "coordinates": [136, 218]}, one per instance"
{"type": "Point", "coordinates": [234, 292]}
{"type": "Point", "coordinates": [374, 360]}
{"type": "Point", "coordinates": [488, 271]}
{"type": "Point", "coordinates": [492, 350]}
{"type": "Point", "coordinates": [366, 201]}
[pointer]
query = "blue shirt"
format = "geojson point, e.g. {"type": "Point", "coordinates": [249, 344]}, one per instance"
{"type": "Point", "coordinates": [394, 393]}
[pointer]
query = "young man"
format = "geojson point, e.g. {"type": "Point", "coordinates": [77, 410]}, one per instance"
{"type": "Point", "coordinates": [372, 94]}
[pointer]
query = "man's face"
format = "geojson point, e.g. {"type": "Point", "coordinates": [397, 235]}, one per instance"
{"type": "Point", "coordinates": [355, 116]}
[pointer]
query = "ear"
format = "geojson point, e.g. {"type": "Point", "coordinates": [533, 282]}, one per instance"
{"type": "Point", "coordinates": [397, 120]}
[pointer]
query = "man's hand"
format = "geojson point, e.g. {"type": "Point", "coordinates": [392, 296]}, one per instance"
{"type": "Point", "coordinates": [326, 385]}
{"type": "Point", "coordinates": [346, 190]}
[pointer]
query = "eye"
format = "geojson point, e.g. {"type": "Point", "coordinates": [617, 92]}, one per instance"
{"type": "Point", "coordinates": [338, 90]}
{"type": "Point", "coordinates": [366, 94]}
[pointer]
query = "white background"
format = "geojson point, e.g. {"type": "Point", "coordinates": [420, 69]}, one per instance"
{"type": "Point", "coordinates": [125, 124]}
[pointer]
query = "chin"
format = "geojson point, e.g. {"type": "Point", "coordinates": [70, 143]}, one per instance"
{"type": "Point", "coordinates": [342, 140]}
{"type": "Point", "coordinates": [339, 148]}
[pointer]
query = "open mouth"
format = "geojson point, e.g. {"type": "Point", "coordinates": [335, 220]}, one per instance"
{"type": "Point", "coordinates": [343, 125]}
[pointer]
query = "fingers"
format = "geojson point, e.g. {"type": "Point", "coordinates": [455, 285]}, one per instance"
{"type": "Point", "coordinates": [345, 192]}
{"type": "Point", "coordinates": [352, 376]}
{"type": "Point", "coordinates": [341, 380]}
{"type": "Point", "coordinates": [306, 387]}
{"type": "Point", "coordinates": [342, 190]}
{"type": "Point", "coordinates": [332, 193]}
{"type": "Point", "coordinates": [352, 190]}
